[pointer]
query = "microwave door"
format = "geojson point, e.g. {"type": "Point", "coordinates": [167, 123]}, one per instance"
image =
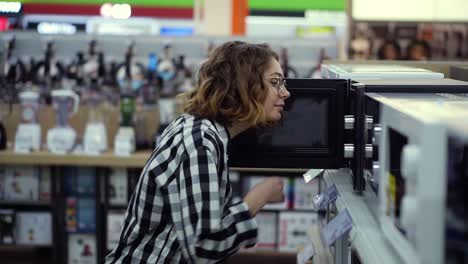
{"type": "Point", "coordinates": [310, 134]}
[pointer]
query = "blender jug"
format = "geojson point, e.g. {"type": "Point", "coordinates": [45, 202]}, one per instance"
{"type": "Point", "coordinates": [28, 133]}
{"type": "Point", "coordinates": [124, 142]}
{"type": "Point", "coordinates": [61, 138]}
{"type": "Point", "coordinates": [95, 137]}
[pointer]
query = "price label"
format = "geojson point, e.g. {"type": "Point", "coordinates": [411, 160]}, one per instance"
{"type": "Point", "coordinates": [312, 174]}
{"type": "Point", "coordinates": [341, 224]}
{"type": "Point", "coordinates": [322, 200]}
{"type": "Point", "coordinates": [332, 193]}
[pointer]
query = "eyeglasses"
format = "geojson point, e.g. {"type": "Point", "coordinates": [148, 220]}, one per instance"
{"type": "Point", "coordinates": [278, 83]}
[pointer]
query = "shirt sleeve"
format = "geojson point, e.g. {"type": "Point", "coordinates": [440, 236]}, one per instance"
{"type": "Point", "coordinates": [207, 231]}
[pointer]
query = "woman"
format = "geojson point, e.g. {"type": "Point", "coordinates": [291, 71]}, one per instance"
{"type": "Point", "coordinates": [181, 210]}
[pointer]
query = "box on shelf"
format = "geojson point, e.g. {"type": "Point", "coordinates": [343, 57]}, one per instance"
{"type": "Point", "coordinates": [294, 230]}
{"type": "Point", "coordinates": [251, 181]}
{"type": "Point", "coordinates": [115, 221]}
{"type": "Point", "coordinates": [80, 214]}
{"type": "Point", "coordinates": [80, 181]}
{"type": "Point", "coordinates": [304, 193]}
{"type": "Point", "coordinates": [82, 249]}
{"type": "Point", "coordinates": [45, 184]}
{"type": "Point", "coordinates": [118, 187]}
{"type": "Point", "coordinates": [21, 183]}
{"type": "Point", "coordinates": [2, 178]}
{"type": "Point", "coordinates": [34, 228]}
{"type": "Point", "coordinates": [267, 231]}
{"type": "Point", "coordinates": [7, 226]}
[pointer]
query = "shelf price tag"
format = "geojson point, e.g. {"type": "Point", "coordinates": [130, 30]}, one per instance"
{"type": "Point", "coordinates": [312, 174]}
{"type": "Point", "coordinates": [322, 200]}
{"type": "Point", "coordinates": [340, 225]}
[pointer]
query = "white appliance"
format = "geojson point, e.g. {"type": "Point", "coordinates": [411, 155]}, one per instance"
{"type": "Point", "coordinates": [376, 71]}
{"type": "Point", "coordinates": [414, 170]}
{"type": "Point", "coordinates": [95, 135]}
{"type": "Point", "coordinates": [28, 133]}
{"type": "Point", "coordinates": [61, 138]}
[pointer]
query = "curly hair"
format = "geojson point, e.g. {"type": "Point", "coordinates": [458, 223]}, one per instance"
{"type": "Point", "coordinates": [230, 84]}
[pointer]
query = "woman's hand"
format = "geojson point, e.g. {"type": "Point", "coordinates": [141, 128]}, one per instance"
{"type": "Point", "coordinates": [269, 190]}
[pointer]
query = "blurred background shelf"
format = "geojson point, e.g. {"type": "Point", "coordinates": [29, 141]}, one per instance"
{"type": "Point", "coordinates": [28, 205]}
{"type": "Point", "coordinates": [107, 159]}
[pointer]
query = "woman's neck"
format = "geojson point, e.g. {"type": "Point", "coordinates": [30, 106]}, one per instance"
{"type": "Point", "coordinates": [237, 128]}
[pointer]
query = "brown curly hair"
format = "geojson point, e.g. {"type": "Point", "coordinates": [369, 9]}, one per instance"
{"type": "Point", "coordinates": [230, 84]}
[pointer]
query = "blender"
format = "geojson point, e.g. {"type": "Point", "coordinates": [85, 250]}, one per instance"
{"type": "Point", "coordinates": [124, 143]}
{"type": "Point", "coordinates": [28, 133]}
{"type": "Point", "coordinates": [95, 136]}
{"type": "Point", "coordinates": [167, 70]}
{"type": "Point", "coordinates": [61, 138]}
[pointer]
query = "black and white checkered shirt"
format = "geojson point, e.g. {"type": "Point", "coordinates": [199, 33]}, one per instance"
{"type": "Point", "coordinates": [181, 210]}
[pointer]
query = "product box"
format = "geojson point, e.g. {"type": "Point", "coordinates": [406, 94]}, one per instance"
{"type": "Point", "coordinates": [80, 215]}
{"type": "Point", "coordinates": [294, 228]}
{"type": "Point", "coordinates": [45, 184]}
{"type": "Point", "coordinates": [71, 220]}
{"type": "Point", "coordinates": [80, 181]}
{"type": "Point", "coordinates": [267, 230]}
{"type": "Point", "coordinates": [34, 228]}
{"type": "Point", "coordinates": [2, 179]}
{"type": "Point", "coordinates": [82, 249]}
{"type": "Point", "coordinates": [86, 178]}
{"type": "Point", "coordinates": [21, 183]}
{"type": "Point", "coordinates": [86, 215]}
{"type": "Point", "coordinates": [304, 193]}
{"type": "Point", "coordinates": [115, 221]}
{"type": "Point", "coordinates": [251, 181]}
{"type": "Point", "coordinates": [7, 226]}
{"type": "Point", "coordinates": [118, 187]}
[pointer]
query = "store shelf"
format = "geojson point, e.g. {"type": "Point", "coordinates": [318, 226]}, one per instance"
{"type": "Point", "coordinates": [14, 248]}
{"type": "Point", "coordinates": [107, 159]}
{"type": "Point", "coordinates": [269, 170]}
{"type": "Point", "coordinates": [365, 236]}
{"type": "Point", "coordinates": [25, 204]}
{"type": "Point", "coordinates": [244, 256]}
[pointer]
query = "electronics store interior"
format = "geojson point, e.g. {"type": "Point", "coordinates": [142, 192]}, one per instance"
{"type": "Point", "coordinates": [103, 103]}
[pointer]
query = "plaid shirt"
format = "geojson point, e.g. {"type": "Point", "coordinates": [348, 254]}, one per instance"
{"type": "Point", "coordinates": [181, 210]}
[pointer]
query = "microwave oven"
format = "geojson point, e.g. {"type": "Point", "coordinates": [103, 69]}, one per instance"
{"type": "Point", "coordinates": [459, 72]}
{"type": "Point", "coordinates": [310, 134]}
{"type": "Point", "coordinates": [329, 123]}
{"type": "Point", "coordinates": [376, 71]}
{"type": "Point", "coordinates": [366, 114]}
{"type": "Point", "coordinates": [423, 174]}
